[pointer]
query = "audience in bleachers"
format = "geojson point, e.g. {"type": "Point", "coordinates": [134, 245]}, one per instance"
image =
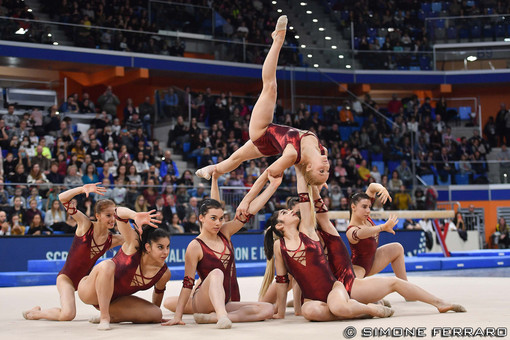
{"type": "Point", "coordinates": [138, 174]}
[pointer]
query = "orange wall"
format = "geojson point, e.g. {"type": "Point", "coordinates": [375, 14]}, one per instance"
{"type": "Point", "coordinates": [491, 213]}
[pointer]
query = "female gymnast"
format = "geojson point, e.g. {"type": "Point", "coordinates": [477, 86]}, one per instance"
{"type": "Point", "coordinates": [211, 254]}
{"type": "Point", "coordinates": [267, 139]}
{"type": "Point", "coordinates": [91, 240]}
{"type": "Point", "coordinates": [363, 235]}
{"type": "Point", "coordinates": [327, 298]}
{"type": "Point", "coordinates": [139, 265]}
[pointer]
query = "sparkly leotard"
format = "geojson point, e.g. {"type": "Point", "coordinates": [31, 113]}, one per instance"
{"type": "Point", "coordinates": [363, 252]}
{"type": "Point", "coordinates": [83, 255]}
{"type": "Point", "coordinates": [309, 266]}
{"type": "Point", "coordinates": [225, 262]}
{"type": "Point", "coordinates": [277, 137]}
{"type": "Point", "coordinates": [129, 278]}
{"type": "Point", "coordinates": [339, 259]}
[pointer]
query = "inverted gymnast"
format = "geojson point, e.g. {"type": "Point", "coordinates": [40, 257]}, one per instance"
{"type": "Point", "coordinates": [363, 235]}
{"type": "Point", "coordinates": [211, 254]}
{"type": "Point", "coordinates": [298, 147]}
{"type": "Point", "coordinates": [91, 240]}
{"type": "Point", "coordinates": [325, 297]}
{"type": "Point", "coordinates": [139, 265]}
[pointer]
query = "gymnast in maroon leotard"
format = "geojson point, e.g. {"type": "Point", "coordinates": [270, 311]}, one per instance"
{"type": "Point", "coordinates": [277, 137]}
{"type": "Point", "coordinates": [296, 147]}
{"type": "Point", "coordinates": [211, 254]}
{"type": "Point", "coordinates": [92, 239]}
{"type": "Point", "coordinates": [83, 255]}
{"type": "Point", "coordinates": [306, 261]}
{"type": "Point", "coordinates": [363, 235]}
{"type": "Point", "coordinates": [363, 252]}
{"type": "Point", "coordinates": [223, 260]}
{"type": "Point", "coordinates": [298, 233]}
{"type": "Point", "coordinates": [139, 265]}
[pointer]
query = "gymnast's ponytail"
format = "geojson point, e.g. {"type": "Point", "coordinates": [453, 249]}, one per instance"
{"type": "Point", "coordinates": [270, 237]}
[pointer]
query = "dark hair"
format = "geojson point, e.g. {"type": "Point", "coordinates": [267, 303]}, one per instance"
{"type": "Point", "coordinates": [355, 198]}
{"type": "Point", "coordinates": [151, 234]}
{"type": "Point", "coordinates": [291, 202]}
{"type": "Point", "coordinates": [269, 236]}
{"type": "Point", "coordinates": [207, 204]}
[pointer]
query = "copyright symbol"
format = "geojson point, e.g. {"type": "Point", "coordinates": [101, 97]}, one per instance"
{"type": "Point", "coordinates": [350, 332]}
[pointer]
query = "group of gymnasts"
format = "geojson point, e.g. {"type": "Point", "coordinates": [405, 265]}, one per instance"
{"type": "Point", "coordinates": [300, 243]}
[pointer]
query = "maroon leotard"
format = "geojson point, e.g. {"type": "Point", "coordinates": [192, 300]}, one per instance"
{"type": "Point", "coordinates": [363, 252]}
{"type": "Point", "coordinates": [314, 277]}
{"type": "Point", "coordinates": [127, 281]}
{"type": "Point", "coordinates": [339, 260]}
{"type": "Point", "coordinates": [277, 137]}
{"type": "Point", "coordinates": [83, 255]}
{"type": "Point", "coordinates": [225, 262]}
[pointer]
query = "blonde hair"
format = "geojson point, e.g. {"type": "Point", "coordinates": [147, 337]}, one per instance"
{"type": "Point", "coordinates": [308, 175]}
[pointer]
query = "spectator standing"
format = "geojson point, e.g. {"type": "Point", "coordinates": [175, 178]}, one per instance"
{"type": "Point", "coordinates": [500, 123]}
{"type": "Point", "coordinates": [11, 120]}
{"type": "Point", "coordinates": [108, 102]}
{"type": "Point", "coordinates": [171, 101]}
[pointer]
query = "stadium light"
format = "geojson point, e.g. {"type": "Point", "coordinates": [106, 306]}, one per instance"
{"type": "Point", "coordinates": [291, 28]}
{"type": "Point", "coordinates": [315, 20]}
{"type": "Point", "coordinates": [303, 46]}
{"type": "Point", "coordinates": [347, 66]}
{"type": "Point", "coordinates": [303, 4]}
{"type": "Point", "coordinates": [315, 65]}
{"type": "Point", "coordinates": [341, 56]}
{"type": "Point", "coordinates": [327, 38]}
{"type": "Point", "coordinates": [296, 36]}
{"type": "Point", "coordinates": [322, 29]}
{"type": "Point", "coordinates": [309, 55]}
{"type": "Point", "coordinates": [279, 10]}
{"type": "Point", "coordinates": [308, 12]}
{"type": "Point", "coordinates": [55, 43]}
{"type": "Point", "coordinates": [471, 58]}
{"type": "Point", "coordinates": [333, 47]}
{"type": "Point", "coordinates": [274, 2]}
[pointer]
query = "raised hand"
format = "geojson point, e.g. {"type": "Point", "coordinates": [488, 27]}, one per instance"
{"type": "Point", "coordinates": [143, 218]}
{"type": "Point", "coordinates": [242, 210]}
{"type": "Point", "coordinates": [384, 195]}
{"type": "Point", "coordinates": [390, 224]}
{"type": "Point", "coordinates": [93, 188]}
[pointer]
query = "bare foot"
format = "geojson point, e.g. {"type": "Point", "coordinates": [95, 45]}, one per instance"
{"type": "Point", "coordinates": [281, 25]}
{"type": "Point", "coordinates": [205, 318]}
{"type": "Point", "coordinates": [224, 323]}
{"type": "Point", "coordinates": [206, 172]}
{"type": "Point", "coordinates": [26, 314]}
{"type": "Point", "coordinates": [453, 307]}
{"type": "Point", "coordinates": [386, 303]}
{"type": "Point", "coordinates": [381, 311]}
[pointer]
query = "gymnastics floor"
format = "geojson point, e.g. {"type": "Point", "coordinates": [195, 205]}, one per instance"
{"type": "Point", "coordinates": [487, 300]}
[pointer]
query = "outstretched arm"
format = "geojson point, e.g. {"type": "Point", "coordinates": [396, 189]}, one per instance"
{"type": "Point", "coordinates": [281, 286]}
{"type": "Point", "coordinates": [307, 224]}
{"type": "Point", "coordinates": [321, 213]}
{"type": "Point", "coordinates": [193, 254]}
{"type": "Point", "coordinates": [275, 170]}
{"type": "Point", "coordinates": [160, 287]}
{"type": "Point", "coordinates": [361, 232]}
{"type": "Point", "coordinates": [232, 227]}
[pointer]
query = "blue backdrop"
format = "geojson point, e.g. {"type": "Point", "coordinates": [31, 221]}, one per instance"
{"type": "Point", "coordinates": [16, 251]}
